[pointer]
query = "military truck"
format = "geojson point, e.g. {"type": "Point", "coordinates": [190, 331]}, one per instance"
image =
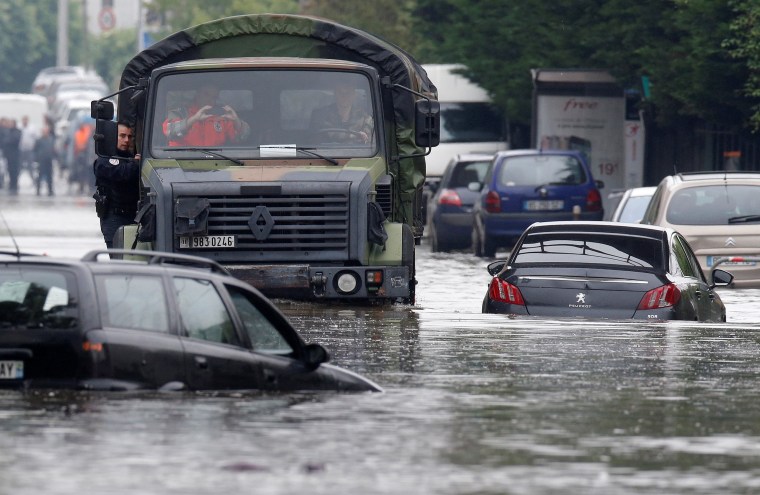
{"type": "Point", "coordinates": [297, 211]}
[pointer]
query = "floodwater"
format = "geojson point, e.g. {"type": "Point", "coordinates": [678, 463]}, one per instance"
{"type": "Point", "coordinates": [473, 403]}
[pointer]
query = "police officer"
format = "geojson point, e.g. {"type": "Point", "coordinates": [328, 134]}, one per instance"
{"type": "Point", "coordinates": [117, 186]}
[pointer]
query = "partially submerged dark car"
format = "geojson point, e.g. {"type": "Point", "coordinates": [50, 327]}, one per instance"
{"type": "Point", "coordinates": [155, 321]}
{"type": "Point", "coordinates": [604, 270]}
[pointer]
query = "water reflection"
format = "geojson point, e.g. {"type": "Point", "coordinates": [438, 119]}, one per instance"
{"type": "Point", "coordinates": [473, 403]}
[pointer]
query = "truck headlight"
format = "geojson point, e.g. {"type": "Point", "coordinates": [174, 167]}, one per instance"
{"type": "Point", "coordinates": [347, 282]}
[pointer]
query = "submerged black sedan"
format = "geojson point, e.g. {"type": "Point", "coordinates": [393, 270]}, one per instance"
{"type": "Point", "coordinates": [159, 321]}
{"type": "Point", "coordinates": [604, 270]}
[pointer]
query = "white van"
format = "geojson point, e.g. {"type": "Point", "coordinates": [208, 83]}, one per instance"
{"type": "Point", "coordinates": [16, 105]}
{"type": "Point", "coordinates": [470, 123]}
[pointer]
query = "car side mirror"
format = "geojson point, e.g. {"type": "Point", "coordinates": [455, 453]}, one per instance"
{"type": "Point", "coordinates": [496, 267]}
{"type": "Point", "coordinates": [315, 355]}
{"type": "Point", "coordinates": [721, 278]}
{"type": "Point", "coordinates": [599, 184]}
{"type": "Point", "coordinates": [427, 123]}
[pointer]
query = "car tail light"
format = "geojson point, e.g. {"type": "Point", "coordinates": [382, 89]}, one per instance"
{"type": "Point", "coordinates": [593, 200]}
{"type": "Point", "coordinates": [501, 291]}
{"type": "Point", "coordinates": [493, 203]}
{"type": "Point", "coordinates": [661, 297]}
{"type": "Point", "coordinates": [449, 197]}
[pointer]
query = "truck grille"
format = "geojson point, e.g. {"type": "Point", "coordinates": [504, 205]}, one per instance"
{"type": "Point", "coordinates": [299, 222]}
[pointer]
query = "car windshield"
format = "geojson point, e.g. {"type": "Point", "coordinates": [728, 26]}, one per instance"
{"type": "Point", "coordinates": [633, 209]}
{"type": "Point", "coordinates": [35, 298]}
{"type": "Point", "coordinates": [264, 114]}
{"type": "Point", "coordinates": [466, 173]}
{"type": "Point", "coordinates": [537, 170]}
{"type": "Point", "coordinates": [715, 205]}
{"type": "Point", "coordinates": [591, 249]}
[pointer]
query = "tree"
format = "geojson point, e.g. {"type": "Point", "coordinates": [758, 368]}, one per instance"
{"type": "Point", "coordinates": [744, 45]}
{"type": "Point", "coordinates": [678, 44]}
{"type": "Point", "coordinates": [25, 27]}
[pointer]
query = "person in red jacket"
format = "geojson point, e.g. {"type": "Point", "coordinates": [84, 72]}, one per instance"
{"type": "Point", "coordinates": [204, 123]}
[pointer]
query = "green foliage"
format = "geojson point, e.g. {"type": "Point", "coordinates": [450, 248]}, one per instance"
{"type": "Point", "coordinates": [678, 44]}
{"type": "Point", "coordinates": [744, 45]}
{"type": "Point", "coordinates": [24, 27]}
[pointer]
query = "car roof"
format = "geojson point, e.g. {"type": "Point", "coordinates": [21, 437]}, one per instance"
{"type": "Point", "coordinates": [642, 191]}
{"type": "Point", "coordinates": [714, 176]}
{"type": "Point", "coordinates": [473, 157]}
{"type": "Point", "coordinates": [537, 151]}
{"type": "Point", "coordinates": [98, 261]}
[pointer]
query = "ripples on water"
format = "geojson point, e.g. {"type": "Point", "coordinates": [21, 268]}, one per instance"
{"type": "Point", "coordinates": [473, 403]}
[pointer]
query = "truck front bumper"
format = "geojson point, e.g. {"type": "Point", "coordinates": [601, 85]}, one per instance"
{"type": "Point", "coordinates": [326, 282]}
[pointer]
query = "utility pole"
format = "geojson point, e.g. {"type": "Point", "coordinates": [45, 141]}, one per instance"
{"type": "Point", "coordinates": [62, 54]}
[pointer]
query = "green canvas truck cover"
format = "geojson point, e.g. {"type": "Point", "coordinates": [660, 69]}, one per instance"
{"type": "Point", "coordinates": [279, 35]}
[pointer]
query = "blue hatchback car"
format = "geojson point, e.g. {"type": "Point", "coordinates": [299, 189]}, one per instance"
{"type": "Point", "coordinates": [531, 185]}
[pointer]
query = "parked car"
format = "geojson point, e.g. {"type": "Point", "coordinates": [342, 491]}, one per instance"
{"type": "Point", "coordinates": [450, 209]}
{"type": "Point", "coordinates": [633, 204]}
{"type": "Point", "coordinates": [173, 322]}
{"type": "Point", "coordinates": [604, 270]}
{"type": "Point", "coordinates": [719, 215]}
{"type": "Point", "coordinates": [527, 186]}
{"type": "Point", "coordinates": [49, 74]}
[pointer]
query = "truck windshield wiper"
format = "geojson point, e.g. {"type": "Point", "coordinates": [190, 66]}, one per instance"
{"type": "Point", "coordinates": [310, 151]}
{"type": "Point", "coordinates": [744, 219]}
{"type": "Point", "coordinates": [210, 151]}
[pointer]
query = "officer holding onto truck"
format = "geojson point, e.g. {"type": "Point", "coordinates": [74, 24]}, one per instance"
{"type": "Point", "coordinates": [117, 187]}
{"type": "Point", "coordinates": [205, 123]}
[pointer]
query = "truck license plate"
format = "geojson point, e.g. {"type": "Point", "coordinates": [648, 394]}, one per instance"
{"type": "Point", "coordinates": [207, 242]}
{"type": "Point", "coordinates": [11, 370]}
{"type": "Point", "coordinates": [543, 205]}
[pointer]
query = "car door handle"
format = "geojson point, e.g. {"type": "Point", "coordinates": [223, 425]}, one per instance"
{"type": "Point", "coordinates": [201, 362]}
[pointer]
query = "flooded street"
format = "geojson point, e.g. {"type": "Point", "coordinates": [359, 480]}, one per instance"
{"type": "Point", "coordinates": [473, 403]}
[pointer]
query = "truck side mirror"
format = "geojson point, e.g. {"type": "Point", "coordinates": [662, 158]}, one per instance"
{"type": "Point", "coordinates": [427, 123]}
{"type": "Point", "coordinates": [101, 109]}
{"type": "Point", "coordinates": [105, 136]}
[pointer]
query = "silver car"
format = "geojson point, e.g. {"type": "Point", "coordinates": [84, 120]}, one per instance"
{"type": "Point", "coordinates": [719, 215]}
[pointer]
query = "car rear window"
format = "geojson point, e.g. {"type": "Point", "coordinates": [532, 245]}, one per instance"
{"type": "Point", "coordinates": [535, 170]}
{"type": "Point", "coordinates": [467, 172]}
{"type": "Point", "coordinates": [596, 249]}
{"type": "Point", "coordinates": [35, 298]}
{"type": "Point", "coordinates": [714, 205]}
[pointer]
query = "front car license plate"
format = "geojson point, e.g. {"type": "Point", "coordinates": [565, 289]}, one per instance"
{"type": "Point", "coordinates": [712, 259]}
{"type": "Point", "coordinates": [11, 370]}
{"type": "Point", "coordinates": [544, 204]}
{"type": "Point", "coordinates": [207, 242]}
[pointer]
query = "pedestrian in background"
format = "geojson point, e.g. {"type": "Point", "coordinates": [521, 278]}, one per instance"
{"type": "Point", "coordinates": [10, 146]}
{"type": "Point", "coordinates": [29, 136]}
{"type": "Point", "coordinates": [117, 185]}
{"type": "Point", "coordinates": [44, 154]}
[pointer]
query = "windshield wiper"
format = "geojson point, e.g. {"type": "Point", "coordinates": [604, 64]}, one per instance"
{"type": "Point", "coordinates": [210, 151]}
{"type": "Point", "coordinates": [744, 219]}
{"type": "Point", "coordinates": [310, 151]}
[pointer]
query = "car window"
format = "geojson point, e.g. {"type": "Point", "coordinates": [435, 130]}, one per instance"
{"type": "Point", "coordinates": [202, 311]}
{"type": "Point", "coordinates": [713, 205]}
{"type": "Point", "coordinates": [633, 209]}
{"type": "Point", "coordinates": [133, 301]}
{"type": "Point", "coordinates": [37, 298]}
{"type": "Point", "coordinates": [694, 270]}
{"type": "Point", "coordinates": [594, 249]}
{"type": "Point", "coordinates": [263, 334]}
{"type": "Point", "coordinates": [537, 170]}
{"type": "Point", "coordinates": [682, 265]}
{"type": "Point", "coordinates": [468, 172]}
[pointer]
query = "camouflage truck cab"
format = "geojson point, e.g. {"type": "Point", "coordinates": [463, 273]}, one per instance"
{"type": "Point", "coordinates": [288, 202]}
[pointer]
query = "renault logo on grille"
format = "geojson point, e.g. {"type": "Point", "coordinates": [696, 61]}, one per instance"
{"type": "Point", "coordinates": [261, 223]}
{"type": "Point", "coordinates": [730, 242]}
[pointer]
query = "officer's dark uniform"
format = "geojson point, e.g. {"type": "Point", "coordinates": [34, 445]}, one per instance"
{"type": "Point", "coordinates": [116, 181]}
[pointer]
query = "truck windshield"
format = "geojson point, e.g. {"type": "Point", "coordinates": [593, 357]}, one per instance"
{"type": "Point", "coordinates": [250, 114]}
